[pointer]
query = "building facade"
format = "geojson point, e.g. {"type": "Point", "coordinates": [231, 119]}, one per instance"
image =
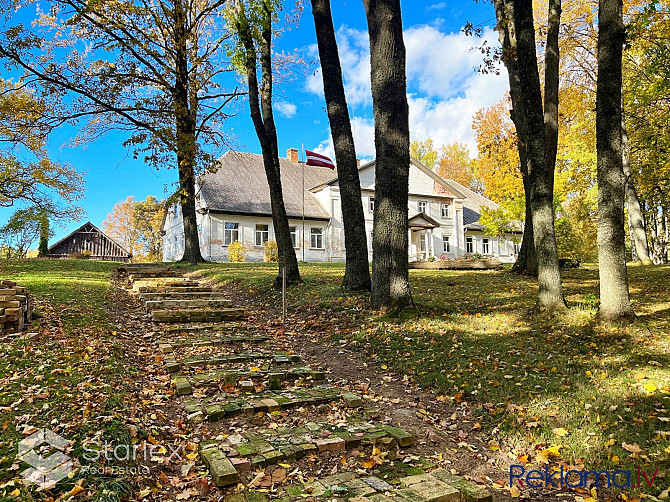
{"type": "Point", "coordinates": [233, 204]}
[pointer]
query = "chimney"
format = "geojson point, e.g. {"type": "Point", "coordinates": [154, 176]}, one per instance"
{"type": "Point", "coordinates": [358, 162]}
{"type": "Point", "coordinates": [292, 154]}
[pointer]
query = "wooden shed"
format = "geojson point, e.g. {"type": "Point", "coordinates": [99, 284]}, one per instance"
{"type": "Point", "coordinates": [89, 238]}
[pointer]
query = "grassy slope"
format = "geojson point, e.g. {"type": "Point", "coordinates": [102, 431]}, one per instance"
{"type": "Point", "coordinates": [62, 377]}
{"type": "Point", "coordinates": [535, 382]}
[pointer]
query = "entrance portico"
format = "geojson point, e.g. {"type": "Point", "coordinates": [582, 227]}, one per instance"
{"type": "Point", "coordinates": [420, 233]}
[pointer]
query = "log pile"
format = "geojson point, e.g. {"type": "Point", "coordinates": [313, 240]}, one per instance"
{"type": "Point", "coordinates": [16, 308]}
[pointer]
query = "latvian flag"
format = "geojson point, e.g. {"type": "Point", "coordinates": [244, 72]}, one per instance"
{"type": "Point", "coordinates": [315, 159]}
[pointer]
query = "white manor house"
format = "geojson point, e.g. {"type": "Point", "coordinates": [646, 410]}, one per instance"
{"type": "Point", "coordinates": [234, 204]}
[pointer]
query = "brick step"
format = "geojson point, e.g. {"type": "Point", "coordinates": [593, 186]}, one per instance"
{"type": "Point", "coordinates": [168, 346]}
{"type": "Point", "coordinates": [196, 315]}
{"type": "Point", "coordinates": [222, 406]}
{"type": "Point", "coordinates": [265, 447]}
{"type": "Point", "coordinates": [186, 295]}
{"type": "Point", "coordinates": [184, 384]}
{"type": "Point", "coordinates": [150, 305]}
{"type": "Point", "coordinates": [172, 365]}
{"type": "Point", "coordinates": [174, 288]}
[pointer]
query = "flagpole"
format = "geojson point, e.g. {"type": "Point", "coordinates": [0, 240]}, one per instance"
{"type": "Point", "coordinates": [303, 203]}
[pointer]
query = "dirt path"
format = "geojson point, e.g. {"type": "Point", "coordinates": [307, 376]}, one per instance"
{"type": "Point", "coordinates": [237, 408]}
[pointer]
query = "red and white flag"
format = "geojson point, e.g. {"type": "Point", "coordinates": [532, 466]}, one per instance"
{"type": "Point", "coordinates": [316, 159]}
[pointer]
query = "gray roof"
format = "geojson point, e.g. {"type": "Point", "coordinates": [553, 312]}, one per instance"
{"type": "Point", "coordinates": [239, 186]}
{"type": "Point", "coordinates": [472, 204]}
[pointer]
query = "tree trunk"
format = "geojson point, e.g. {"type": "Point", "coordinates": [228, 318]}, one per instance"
{"type": "Point", "coordinates": [638, 232]}
{"type": "Point", "coordinates": [664, 233]}
{"type": "Point", "coordinates": [357, 269]}
{"type": "Point", "coordinates": [43, 248]}
{"type": "Point", "coordinates": [551, 79]}
{"type": "Point", "coordinates": [550, 295]}
{"type": "Point", "coordinates": [186, 142]}
{"type": "Point", "coordinates": [526, 262]}
{"type": "Point", "coordinates": [390, 267]}
{"type": "Point", "coordinates": [614, 298]}
{"type": "Point", "coordinates": [263, 119]}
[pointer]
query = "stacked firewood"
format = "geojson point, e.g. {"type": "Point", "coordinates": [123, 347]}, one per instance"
{"type": "Point", "coordinates": [15, 307]}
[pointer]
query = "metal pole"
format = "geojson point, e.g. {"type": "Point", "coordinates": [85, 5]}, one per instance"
{"type": "Point", "coordinates": [283, 296]}
{"type": "Point", "coordinates": [303, 204]}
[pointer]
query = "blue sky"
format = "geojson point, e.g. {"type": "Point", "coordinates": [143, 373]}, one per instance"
{"type": "Point", "coordinates": [444, 91]}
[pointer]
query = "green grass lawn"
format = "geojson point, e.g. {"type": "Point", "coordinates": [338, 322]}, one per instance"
{"type": "Point", "coordinates": [565, 387]}
{"type": "Point", "coordinates": [65, 376]}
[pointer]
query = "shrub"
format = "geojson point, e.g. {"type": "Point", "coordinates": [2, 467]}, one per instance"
{"type": "Point", "coordinates": [478, 256]}
{"type": "Point", "coordinates": [271, 253]}
{"type": "Point", "coordinates": [236, 252]}
{"type": "Point", "coordinates": [84, 255]}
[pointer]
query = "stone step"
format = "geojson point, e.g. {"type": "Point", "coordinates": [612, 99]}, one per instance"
{"type": "Point", "coordinates": [172, 365]}
{"type": "Point", "coordinates": [152, 274]}
{"type": "Point", "coordinates": [168, 346]}
{"type": "Point", "coordinates": [264, 447]}
{"type": "Point", "coordinates": [164, 282]}
{"type": "Point", "coordinates": [183, 295]}
{"type": "Point", "coordinates": [150, 305]}
{"type": "Point", "coordinates": [222, 406]}
{"type": "Point", "coordinates": [438, 485]}
{"type": "Point", "coordinates": [196, 315]}
{"type": "Point", "coordinates": [143, 267]}
{"type": "Point", "coordinates": [207, 329]}
{"type": "Point", "coordinates": [184, 384]}
{"type": "Point", "coordinates": [174, 288]}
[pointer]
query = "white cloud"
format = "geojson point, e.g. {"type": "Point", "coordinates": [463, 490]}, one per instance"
{"type": "Point", "coordinates": [436, 6]}
{"type": "Point", "coordinates": [364, 139]}
{"type": "Point", "coordinates": [442, 64]}
{"type": "Point", "coordinates": [445, 89]}
{"type": "Point", "coordinates": [354, 49]}
{"type": "Point", "coordinates": [286, 109]}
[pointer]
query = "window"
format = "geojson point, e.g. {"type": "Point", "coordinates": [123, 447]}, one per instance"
{"type": "Point", "coordinates": [316, 238]}
{"type": "Point", "coordinates": [469, 245]}
{"type": "Point", "coordinates": [294, 236]}
{"type": "Point", "coordinates": [485, 246]}
{"type": "Point", "coordinates": [517, 247]}
{"type": "Point", "coordinates": [371, 204]}
{"type": "Point", "coordinates": [262, 234]}
{"type": "Point", "coordinates": [445, 244]}
{"type": "Point", "coordinates": [231, 233]}
{"type": "Point", "coordinates": [446, 210]}
{"type": "Point", "coordinates": [422, 206]}
{"type": "Point", "coordinates": [422, 243]}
